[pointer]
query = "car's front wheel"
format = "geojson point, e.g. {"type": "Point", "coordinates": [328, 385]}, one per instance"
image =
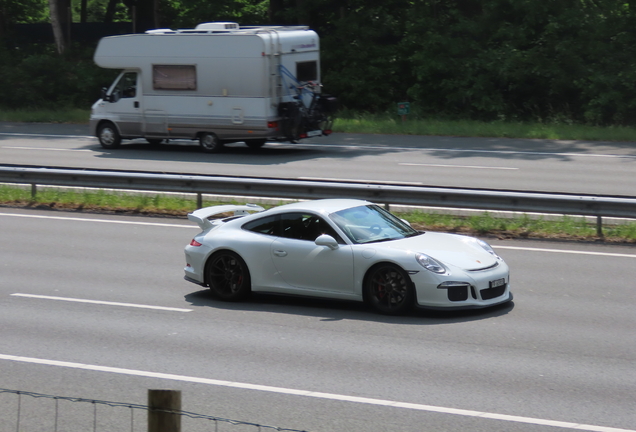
{"type": "Point", "coordinates": [389, 289]}
{"type": "Point", "coordinates": [228, 276]}
{"type": "Point", "coordinates": [108, 135]}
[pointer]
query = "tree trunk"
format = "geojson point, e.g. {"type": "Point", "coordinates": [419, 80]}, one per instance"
{"type": "Point", "coordinates": [110, 11]}
{"type": "Point", "coordinates": [84, 6]}
{"type": "Point", "coordinates": [301, 13]}
{"type": "Point", "coordinates": [59, 22]}
{"type": "Point", "coordinates": [146, 15]}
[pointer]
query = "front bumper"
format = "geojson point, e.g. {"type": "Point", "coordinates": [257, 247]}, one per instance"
{"type": "Point", "coordinates": [472, 306]}
{"type": "Point", "coordinates": [463, 289]}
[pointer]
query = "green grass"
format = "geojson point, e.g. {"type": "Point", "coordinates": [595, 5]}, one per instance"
{"type": "Point", "coordinates": [96, 200]}
{"type": "Point", "coordinates": [387, 124]}
{"type": "Point", "coordinates": [484, 224]}
{"type": "Point", "coordinates": [352, 122]}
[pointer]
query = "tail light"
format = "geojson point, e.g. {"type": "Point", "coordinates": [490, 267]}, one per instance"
{"type": "Point", "coordinates": [272, 125]}
{"type": "Point", "coordinates": [194, 243]}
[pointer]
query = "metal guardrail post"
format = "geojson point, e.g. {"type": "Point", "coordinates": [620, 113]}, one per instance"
{"type": "Point", "coordinates": [164, 411]}
{"type": "Point", "coordinates": [34, 190]}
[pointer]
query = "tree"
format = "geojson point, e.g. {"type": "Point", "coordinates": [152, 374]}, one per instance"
{"type": "Point", "coordinates": [143, 13]}
{"type": "Point", "coordinates": [20, 12]}
{"type": "Point", "coordinates": [60, 21]}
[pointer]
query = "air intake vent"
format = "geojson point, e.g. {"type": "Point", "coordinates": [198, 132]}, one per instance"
{"type": "Point", "coordinates": [491, 293]}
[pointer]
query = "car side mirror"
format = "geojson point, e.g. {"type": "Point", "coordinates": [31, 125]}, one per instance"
{"type": "Point", "coordinates": [105, 97]}
{"type": "Point", "coordinates": [327, 240]}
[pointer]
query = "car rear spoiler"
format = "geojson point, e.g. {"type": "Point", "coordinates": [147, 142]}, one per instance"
{"type": "Point", "coordinates": [201, 216]}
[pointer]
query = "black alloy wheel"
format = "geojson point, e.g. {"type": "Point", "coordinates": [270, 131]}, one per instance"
{"type": "Point", "coordinates": [228, 276]}
{"type": "Point", "coordinates": [389, 289]}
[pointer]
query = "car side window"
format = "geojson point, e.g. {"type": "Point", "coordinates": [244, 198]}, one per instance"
{"type": "Point", "coordinates": [306, 226]}
{"type": "Point", "coordinates": [267, 225]}
{"type": "Point", "coordinates": [126, 87]}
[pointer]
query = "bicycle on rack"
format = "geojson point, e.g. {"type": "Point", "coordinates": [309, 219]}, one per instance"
{"type": "Point", "coordinates": [310, 114]}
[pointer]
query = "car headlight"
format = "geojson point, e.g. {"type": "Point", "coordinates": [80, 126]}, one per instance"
{"type": "Point", "coordinates": [488, 248]}
{"type": "Point", "coordinates": [430, 263]}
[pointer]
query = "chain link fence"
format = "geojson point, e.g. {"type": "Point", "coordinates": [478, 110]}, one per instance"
{"type": "Point", "coordinates": [22, 411]}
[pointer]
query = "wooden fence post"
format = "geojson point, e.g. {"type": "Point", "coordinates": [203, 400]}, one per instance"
{"type": "Point", "coordinates": [160, 401]}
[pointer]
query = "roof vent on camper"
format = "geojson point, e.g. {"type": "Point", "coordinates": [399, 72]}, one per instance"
{"type": "Point", "coordinates": [218, 26]}
{"type": "Point", "coordinates": [160, 31]}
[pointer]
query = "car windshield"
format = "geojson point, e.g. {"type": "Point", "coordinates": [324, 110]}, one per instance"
{"type": "Point", "coordinates": [371, 223]}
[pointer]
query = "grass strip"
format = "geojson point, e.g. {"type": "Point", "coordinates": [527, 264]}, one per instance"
{"type": "Point", "coordinates": [386, 124]}
{"type": "Point", "coordinates": [482, 224]}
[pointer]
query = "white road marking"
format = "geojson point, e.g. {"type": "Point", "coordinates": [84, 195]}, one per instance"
{"type": "Point", "coordinates": [107, 303]}
{"type": "Point", "coordinates": [319, 395]}
{"type": "Point", "coordinates": [44, 135]}
{"type": "Point", "coordinates": [458, 166]}
{"type": "Point", "coordinates": [99, 220]}
{"type": "Point", "coordinates": [45, 149]}
{"type": "Point", "coordinates": [378, 147]}
{"type": "Point", "coordinates": [567, 251]}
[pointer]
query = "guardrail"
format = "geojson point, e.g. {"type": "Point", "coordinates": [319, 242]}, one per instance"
{"type": "Point", "coordinates": [500, 200]}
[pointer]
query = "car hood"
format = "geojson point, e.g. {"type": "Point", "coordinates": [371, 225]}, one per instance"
{"type": "Point", "coordinates": [457, 250]}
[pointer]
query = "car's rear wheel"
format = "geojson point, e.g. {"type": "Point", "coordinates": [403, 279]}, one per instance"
{"type": "Point", "coordinates": [210, 143]}
{"type": "Point", "coordinates": [389, 289]}
{"type": "Point", "coordinates": [228, 276]}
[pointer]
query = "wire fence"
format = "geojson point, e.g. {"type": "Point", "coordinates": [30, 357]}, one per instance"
{"type": "Point", "coordinates": [23, 411]}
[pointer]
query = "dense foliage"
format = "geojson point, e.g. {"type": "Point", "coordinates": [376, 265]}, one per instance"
{"type": "Point", "coordinates": [554, 60]}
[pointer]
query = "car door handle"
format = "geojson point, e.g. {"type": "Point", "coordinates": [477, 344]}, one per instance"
{"type": "Point", "coordinates": [280, 253]}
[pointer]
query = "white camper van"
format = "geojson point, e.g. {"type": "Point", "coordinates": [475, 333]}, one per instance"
{"type": "Point", "coordinates": [216, 83]}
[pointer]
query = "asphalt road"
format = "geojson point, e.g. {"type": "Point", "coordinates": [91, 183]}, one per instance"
{"type": "Point", "coordinates": [561, 357]}
{"type": "Point", "coordinates": [529, 165]}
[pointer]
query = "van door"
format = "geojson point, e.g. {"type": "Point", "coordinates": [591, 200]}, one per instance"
{"type": "Point", "coordinates": [124, 104]}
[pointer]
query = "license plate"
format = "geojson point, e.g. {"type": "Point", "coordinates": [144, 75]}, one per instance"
{"type": "Point", "coordinates": [497, 283]}
{"type": "Point", "coordinates": [314, 133]}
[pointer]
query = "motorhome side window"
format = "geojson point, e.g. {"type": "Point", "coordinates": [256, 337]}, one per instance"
{"type": "Point", "coordinates": [174, 77]}
{"type": "Point", "coordinates": [126, 87]}
{"type": "Point", "coordinates": [307, 71]}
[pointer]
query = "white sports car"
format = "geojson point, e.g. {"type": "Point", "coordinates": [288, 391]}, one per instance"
{"type": "Point", "coordinates": [343, 249]}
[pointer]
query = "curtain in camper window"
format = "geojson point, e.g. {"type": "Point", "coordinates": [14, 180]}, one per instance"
{"type": "Point", "coordinates": [174, 77]}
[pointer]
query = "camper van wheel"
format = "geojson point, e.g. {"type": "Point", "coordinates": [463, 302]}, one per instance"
{"type": "Point", "coordinates": [210, 143]}
{"type": "Point", "coordinates": [108, 136]}
{"type": "Point", "coordinates": [255, 144]}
